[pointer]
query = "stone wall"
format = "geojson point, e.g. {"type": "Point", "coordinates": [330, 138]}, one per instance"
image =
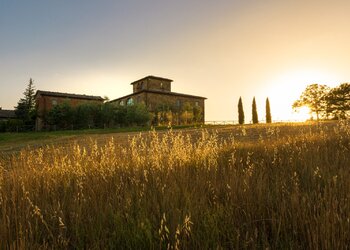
{"type": "Point", "coordinates": [152, 84]}
{"type": "Point", "coordinates": [157, 84]}
{"type": "Point", "coordinates": [157, 102]}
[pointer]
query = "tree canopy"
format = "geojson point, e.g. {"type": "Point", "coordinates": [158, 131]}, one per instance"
{"type": "Point", "coordinates": [338, 100]}
{"type": "Point", "coordinates": [326, 102]}
{"type": "Point", "coordinates": [314, 97]}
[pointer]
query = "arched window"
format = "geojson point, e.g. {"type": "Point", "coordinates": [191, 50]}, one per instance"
{"type": "Point", "coordinates": [121, 103]}
{"type": "Point", "coordinates": [130, 102]}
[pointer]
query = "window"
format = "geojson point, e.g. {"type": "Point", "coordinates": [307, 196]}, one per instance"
{"type": "Point", "coordinates": [161, 85]}
{"type": "Point", "coordinates": [178, 103]}
{"type": "Point", "coordinates": [54, 102]}
{"type": "Point", "coordinates": [121, 103]}
{"type": "Point", "coordinates": [196, 104]}
{"type": "Point", "coordinates": [130, 102]}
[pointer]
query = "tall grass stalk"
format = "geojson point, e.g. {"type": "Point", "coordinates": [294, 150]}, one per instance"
{"type": "Point", "coordinates": [181, 192]}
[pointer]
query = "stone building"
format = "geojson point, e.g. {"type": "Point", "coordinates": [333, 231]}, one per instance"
{"type": "Point", "coordinates": [165, 106]}
{"type": "Point", "coordinates": [46, 100]}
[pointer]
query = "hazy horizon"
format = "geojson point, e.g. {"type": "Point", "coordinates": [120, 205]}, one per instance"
{"type": "Point", "coordinates": [220, 50]}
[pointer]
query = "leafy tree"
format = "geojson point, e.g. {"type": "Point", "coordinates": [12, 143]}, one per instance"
{"type": "Point", "coordinates": [12, 125]}
{"type": "Point", "coordinates": [25, 109]}
{"type": "Point", "coordinates": [254, 112]}
{"type": "Point", "coordinates": [240, 111]}
{"type": "Point", "coordinates": [314, 97]}
{"type": "Point", "coordinates": [61, 116]}
{"type": "Point", "coordinates": [137, 114]}
{"type": "Point", "coordinates": [268, 111]}
{"type": "Point", "coordinates": [338, 100]}
{"type": "Point", "coordinates": [164, 114]}
{"type": "Point", "coordinates": [107, 114]}
{"type": "Point", "coordinates": [197, 114]}
{"type": "Point", "coordinates": [120, 115]}
{"type": "Point", "coordinates": [87, 115]}
{"type": "Point", "coordinates": [187, 113]}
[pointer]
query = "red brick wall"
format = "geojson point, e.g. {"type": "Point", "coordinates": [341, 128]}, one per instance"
{"type": "Point", "coordinates": [45, 103]}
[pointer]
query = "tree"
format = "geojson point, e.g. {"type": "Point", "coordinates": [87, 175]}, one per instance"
{"type": "Point", "coordinates": [314, 97]}
{"type": "Point", "coordinates": [268, 111]}
{"type": "Point", "coordinates": [61, 116]}
{"type": "Point", "coordinates": [106, 114]}
{"type": "Point", "coordinates": [197, 114]}
{"type": "Point", "coordinates": [254, 112]}
{"type": "Point", "coordinates": [120, 115]}
{"type": "Point", "coordinates": [187, 113]}
{"type": "Point", "coordinates": [25, 109]}
{"type": "Point", "coordinates": [87, 115]}
{"type": "Point", "coordinates": [240, 111]}
{"type": "Point", "coordinates": [338, 100]}
{"type": "Point", "coordinates": [137, 114]}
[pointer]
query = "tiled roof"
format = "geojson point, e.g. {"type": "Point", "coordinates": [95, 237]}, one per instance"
{"type": "Point", "coordinates": [7, 113]}
{"type": "Point", "coordinates": [153, 77]}
{"type": "Point", "coordinates": [161, 93]}
{"type": "Point", "coordinates": [67, 95]}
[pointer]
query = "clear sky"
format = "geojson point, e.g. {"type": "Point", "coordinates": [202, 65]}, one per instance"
{"type": "Point", "coordinates": [220, 49]}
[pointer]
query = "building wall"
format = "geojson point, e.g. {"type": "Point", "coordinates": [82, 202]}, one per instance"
{"type": "Point", "coordinates": [154, 101]}
{"type": "Point", "coordinates": [152, 84]}
{"type": "Point", "coordinates": [139, 85]}
{"type": "Point", "coordinates": [137, 98]}
{"type": "Point", "coordinates": [46, 103]}
{"type": "Point", "coordinates": [158, 84]}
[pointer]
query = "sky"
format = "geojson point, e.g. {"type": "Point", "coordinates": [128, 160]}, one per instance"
{"type": "Point", "coordinates": [219, 49]}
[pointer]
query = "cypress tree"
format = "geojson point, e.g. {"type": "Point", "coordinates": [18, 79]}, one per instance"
{"type": "Point", "coordinates": [254, 112]}
{"type": "Point", "coordinates": [268, 111]}
{"type": "Point", "coordinates": [240, 111]}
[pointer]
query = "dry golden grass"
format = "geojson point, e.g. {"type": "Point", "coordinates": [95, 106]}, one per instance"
{"type": "Point", "coordinates": [259, 187]}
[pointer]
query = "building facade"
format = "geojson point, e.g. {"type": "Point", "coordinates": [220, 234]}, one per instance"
{"type": "Point", "coordinates": [46, 100]}
{"type": "Point", "coordinates": [6, 115]}
{"type": "Point", "coordinates": [164, 105]}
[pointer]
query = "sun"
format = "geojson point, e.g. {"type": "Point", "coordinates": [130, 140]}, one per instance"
{"type": "Point", "coordinates": [302, 114]}
{"type": "Point", "coordinates": [284, 89]}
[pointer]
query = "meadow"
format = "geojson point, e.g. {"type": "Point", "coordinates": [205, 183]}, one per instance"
{"type": "Point", "coordinates": [237, 187]}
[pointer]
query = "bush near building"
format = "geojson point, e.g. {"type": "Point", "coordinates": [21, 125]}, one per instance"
{"type": "Point", "coordinates": [89, 115]}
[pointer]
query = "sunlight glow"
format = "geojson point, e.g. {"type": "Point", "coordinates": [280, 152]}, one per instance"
{"type": "Point", "coordinates": [286, 88]}
{"type": "Point", "coordinates": [302, 114]}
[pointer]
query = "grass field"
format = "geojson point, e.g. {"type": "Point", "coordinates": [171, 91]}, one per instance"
{"type": "Point", "coordinates": [14, 142]}
{"type": "Point", "coordinates": [253, 187]}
